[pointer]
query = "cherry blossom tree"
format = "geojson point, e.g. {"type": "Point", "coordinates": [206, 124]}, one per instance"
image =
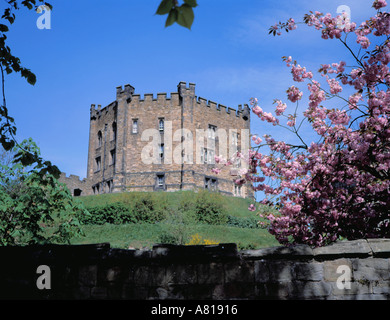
{"type": "Point", "coordinates": [337, 186]}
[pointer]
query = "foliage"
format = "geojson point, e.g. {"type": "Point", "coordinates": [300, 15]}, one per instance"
{"type": "Point", "coordinates": [182, 15]}
{"type": "Point", "coordinates": [116, 213]}
{"type": "Point", "coordinates": [178, 228]}
{"type": "Point", "coordinates": [197, 239]}
{"type": "Point", "coordinates": [140, 207]}
{"type": "Point", "coordinates": [39, 210]}
{"type": "Point", "coordinates": [146, 209]}
{"type": "Point", "coordinates": [206, 207]}
{"type": "Point", "coordinates": [339, 184]}
{"type": "Point", "coordinates": [243, 222]}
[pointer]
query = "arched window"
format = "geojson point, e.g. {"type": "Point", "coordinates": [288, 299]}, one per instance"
{"type": "Point", "coordinates": [99, 139]}
{"type": "Point", "coordinates": [114, 131]}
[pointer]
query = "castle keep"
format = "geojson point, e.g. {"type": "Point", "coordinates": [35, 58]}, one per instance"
{"type": "Point", "coordinates": [163, 143]}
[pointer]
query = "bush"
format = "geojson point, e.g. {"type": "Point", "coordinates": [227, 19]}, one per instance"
{"type": "Point", "coordinates": [205, 207]}
{"type": "Point", "coordinates": [244, 222]}
{"type": "Point", "coordinates": [115, 213]}
{"type": "Point", "coordinates": [148, 209]}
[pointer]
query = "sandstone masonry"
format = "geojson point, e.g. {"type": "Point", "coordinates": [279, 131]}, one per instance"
{"type": "Point", "coordinates": [163, 144]}
{"type": "Point", "coordinates": [346, 270]}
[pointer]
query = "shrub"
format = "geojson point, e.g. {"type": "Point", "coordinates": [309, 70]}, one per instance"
{"type": "Point", "coordinates": [244, 222]}
{"type": "Point", "coordinates": [205, 207]}
{"type": "Point", "coordinates": [115, 213]}
{"type": "Point", "coordinates": [148, 209]}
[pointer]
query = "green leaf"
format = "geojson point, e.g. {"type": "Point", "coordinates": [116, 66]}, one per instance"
{"type": "Point", "coordinates": [172, 17]}
{"type": "Point", "coordinates": [3, 28]}
{"type": "Point", "coordinates": [191, 3]}
{"type": "Point", "coordinates": [165, 7]}
{"type": "Point", "coordinates": [31, 78]}
{"type": "Point", "coordinates": [186, 16]}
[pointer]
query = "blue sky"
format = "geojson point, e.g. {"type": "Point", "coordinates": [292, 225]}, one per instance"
{"type": "Point", "coordinates": [94, 46]}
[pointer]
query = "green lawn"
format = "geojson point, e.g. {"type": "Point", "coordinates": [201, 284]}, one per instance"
{"type": "Point", "coordinates": [138, 235]}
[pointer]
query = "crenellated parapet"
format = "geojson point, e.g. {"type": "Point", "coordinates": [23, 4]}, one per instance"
{"type": "Point", "coordinates": [75, 184]}
{"type": "Point", "coordinates": [173, 99]}
{"type": "Point", "coordinates": [97, 112]}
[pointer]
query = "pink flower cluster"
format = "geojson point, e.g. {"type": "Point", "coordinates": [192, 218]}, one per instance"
{"type": "Point", "coordinates": [338, 186]}
{"type": "Point", "coordinates": [294, 94]}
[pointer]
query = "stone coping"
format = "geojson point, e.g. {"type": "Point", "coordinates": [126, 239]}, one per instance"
{"type": "Point", "coordinates": [198, 253]}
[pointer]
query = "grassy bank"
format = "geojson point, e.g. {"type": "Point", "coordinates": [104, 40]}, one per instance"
{"type": "Point", "coordinates": [178, 222]}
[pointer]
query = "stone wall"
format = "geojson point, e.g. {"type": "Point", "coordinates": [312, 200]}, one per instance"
{"type": "Point", "coordinates": [345, 270]}
{"type": "Point", "coordinates": [117, 147]}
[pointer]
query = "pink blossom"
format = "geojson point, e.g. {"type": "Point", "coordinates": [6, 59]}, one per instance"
{"type": "Point", "coordinates": [379, 4]}
{"type": "Point", "coordinates": [252, 207]}
{"type": "Point", "coordinates": [363, 41]}
{"type": "Point", "coordinates": [294, 94]}
{"type": "Point", "coordinates": [335, 87]}
{"type": "Point", "coordinates": [337, 186]}
{"type": "Point", "coordinates": [216, 170]}
{"type": "Point", "coordinates": [257, 111]}
{"type": "Point", "coordinates": [280, 107]}
{"type": "Point", "coordinates": [257, 140]}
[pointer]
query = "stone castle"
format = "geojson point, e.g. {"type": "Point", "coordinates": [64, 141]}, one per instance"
{"type": "Point", "coordinates": [163, 144]}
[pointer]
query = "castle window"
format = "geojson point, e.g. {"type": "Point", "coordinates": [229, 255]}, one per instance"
{"type": "Point", "coordinates": [237, 191]}
{"type": "Point", "coordinates": [109, 186]}
{"type": "Point", "coordinates": [135, 125]}
{"type": "Point", "coordinates": [99, 139]}
{"type": "Point", "coordinates": [114, 131]}
{"type": "Point", "coordinates": [160, 183]}
{"type": "Point", "coordinates": [161, 152]}
{"type": "Point", "coordinates": [234, 138]}
{"type": "Point", "coordinates": [96, 188]}
{"type": "Point", "coordinates": [98, 163]}
{"type": "Point", "coordinates": [112, 156]}
{"type": "Point", "coordinates": [207, 156]}
{"type": "Point", "coordinates": [212, 131]}
{"type": "Point", "coordinates": [238, 163]}
{"type": "Point", "coordinates": [161, 124]}
{"type": "Point", "coordinates": [210, 183]}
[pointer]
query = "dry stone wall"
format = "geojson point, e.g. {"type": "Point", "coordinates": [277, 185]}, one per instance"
{"type": "Point", "coordinates": [345, 270]}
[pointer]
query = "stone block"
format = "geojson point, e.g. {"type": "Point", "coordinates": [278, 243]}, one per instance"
{"type": "Point", "coordinates": [380, 247]}
{"type": "Point", "coordinates": [210, 273]}
{"type": "Point", "coordinates": [114, 274]}
{"type": "Point", "coordinates": [281, 271]}
{"type": "Point", "coordinates": [277, 290]}
{"type": "Point", "coordinates": [371, 269]}
{"type": "Point", "coordinates": [182, 274]}
{"type": "Point", "coordinates": [293, 252]}
{"type": "Point", "coordinates": [357, 248]}
{"type": "Point", "coordinates": [88, 275]}
{"type": "Point", "coordinates": [356, 288]}
{"type": "Point", "coordinates": [381, 287]}
{"type": "Point", "coordinates": [332, 271]}
{"type": "Point", "coordinates": [309, 271]}
{"type": "Point", "coordinates": [309, 290]}
{"type": "Point", "coordinates": [240, 271]}
{"type": "Point", "coordinates": [262, 273]}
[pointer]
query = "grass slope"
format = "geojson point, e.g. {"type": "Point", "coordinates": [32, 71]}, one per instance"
{"type": "Point", "coordinates": [139, 235]}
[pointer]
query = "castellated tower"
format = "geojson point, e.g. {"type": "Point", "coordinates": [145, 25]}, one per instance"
{"type": "Point", "coordinates": [165, 143]}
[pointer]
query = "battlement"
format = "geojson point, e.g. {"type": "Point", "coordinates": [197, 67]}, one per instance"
{"type": "Point", "coordinates": [99, 111]}
{"type": "Point", "coordinates": [126, 92]}
{"type": "Point", "coordinates": [239, 112]}
{"type": "Point", "coordinates": [76, 186]}
{"type": "Point", "coordinates": [173, 98]}
{"type": "Point", "coordinates": [71, 177]}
